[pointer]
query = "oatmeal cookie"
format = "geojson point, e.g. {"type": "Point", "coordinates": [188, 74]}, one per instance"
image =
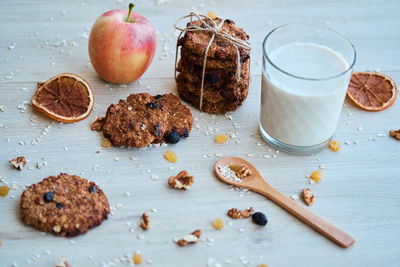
{"type": "Point", "coordinates": [65, 205]}
{"type": "Point", "coordinates": [135, 122]}
{"type": "Point", "coordinates": [179, 117]}
{"type": "Point", "coordinates": [221, 49]}
{"type": "Point", "coordinates": [229, 65]}
{"type": "Point", "coordinates": [209, 106]}
{"type": "Point", "coordinates": [213, 78]}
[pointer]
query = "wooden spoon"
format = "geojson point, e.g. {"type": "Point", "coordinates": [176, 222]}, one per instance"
{"type": "Point", "coordinates": [256, 183]}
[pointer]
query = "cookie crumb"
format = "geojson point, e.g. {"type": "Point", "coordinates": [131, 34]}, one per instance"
{"type": "Point", "coordinates": [189, 239]}
{"type": "Point", "coordinates": [308, 196]}
{"type": "Point", "coordinates": [395, 134]}
{"type": "Point", "coordinates": [97, 124]}
{"type": "Point", "coordinates": [145, 222]}
{"type": "Point", "coordinates": [106, 143]}
{"type": "Point", "coordinates": [236, 214]}
{"type": "Point", "coordinates": [181, 181]}
{"type": "Point", "coordinates": [18, 163]}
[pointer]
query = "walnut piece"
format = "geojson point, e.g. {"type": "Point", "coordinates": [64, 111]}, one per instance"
{"type": "Point", "coordinates": [308, 196]}
{"type": "Point", "coordinates": [241, 170]}
{"type": "Point", "coordinates": [236, 214]}
{"type": "Point", "coordinates": [395, 134]}
{"type": "Point", "coordinates": [182, 181]}
{"type": "Point", "coordinates": [145, 222]}
{"type": "Point", "coordinates": [97, 125]}
{"type": "Point", "coordinates": [63, 263]}
{"type": "Point", "coordinates": [18, 163]}
{"type": "Point", "coordinates": [189, 239]}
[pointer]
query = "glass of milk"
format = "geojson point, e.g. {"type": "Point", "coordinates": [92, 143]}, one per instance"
{"type": "Point", "coordinates": [306, 72]}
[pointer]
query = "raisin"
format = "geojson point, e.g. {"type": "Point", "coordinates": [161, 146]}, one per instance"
{"type": "Point", "coordinates": [157, 129]}
{"type": "Point", "coordinates": [259, 218]}
{"type": "Point", "coordinates": [317, 176]}
{"type": "Point", "coordinates": [137, 258]}
{"type": "Point", "coordinates": [231, 73]}
{"type": "Point", "coordinates": [198, 68]}
{"type": "Point", "coordinates": [4, 190]}
{"type": "Point", "coordinates": [48, 197]}
{"type": "Point", "coordinates": [171, 156]}
{"type": "Point", "coordinates": [59, 205]}
{"type": "Point", "coordinates": [213, 78]}
{"type": "Point", "coordinates": [172, 137]}
{"type": "Point", "coordinates": [158, 97]}
{"type": "Point", "coordinates": [221, 139]}
{"type": "Point", "coordinates": [334, 145]}
{"type": "Point", "coordinates": [211, 14]}
{"type": "Point", "coordinates": [218, 223]}
{"type": "Point", "coordinates": [93, 189]}
{"type": "Point", "coordinates": [152, 105]}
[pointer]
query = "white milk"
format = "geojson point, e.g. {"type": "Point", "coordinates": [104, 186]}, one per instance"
{"type": "Point", "coordinates": [297, 111]}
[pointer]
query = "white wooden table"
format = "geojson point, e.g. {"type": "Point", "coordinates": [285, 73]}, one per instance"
{"type": "Point", "coordinates": [360, 192]}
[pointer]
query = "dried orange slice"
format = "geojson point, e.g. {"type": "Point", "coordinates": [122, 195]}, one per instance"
{"type": "Point", "coordinates": [372, 91]}
{"type": "Point", "coordinates": [66, 97]}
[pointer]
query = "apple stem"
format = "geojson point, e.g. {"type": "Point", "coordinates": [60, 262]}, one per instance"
{"type": "Point", "coordinates": [130, 10]}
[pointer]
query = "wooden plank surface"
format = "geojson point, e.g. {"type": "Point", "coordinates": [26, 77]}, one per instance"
{"type": "Point", "coordinates": [360, 192]}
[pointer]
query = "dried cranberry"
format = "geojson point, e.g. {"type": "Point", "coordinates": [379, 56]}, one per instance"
{"type": "Point", "coordinates": [213, 78]}
{"type": "Point", "coordinates": [93, 189]}
{"type": "Point", "coordinates": [152, 105]}
{"type": "Point", "coordinates": [59, 205]}
{"type": "Point", "coordinates": [172, 137]}
{"type": "Point", "coordinates": [259, 218]}
{"type": "Point", "coordinates": [48, 197]}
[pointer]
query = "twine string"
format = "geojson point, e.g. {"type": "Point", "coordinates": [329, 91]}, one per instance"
{"type": "Point", "coordinates": [215, 30]}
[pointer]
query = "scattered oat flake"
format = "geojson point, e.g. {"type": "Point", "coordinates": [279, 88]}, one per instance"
{"type": "Point", "coordinates": [228, 173]}
{"type": "Point", "coordinates": [295, 197]}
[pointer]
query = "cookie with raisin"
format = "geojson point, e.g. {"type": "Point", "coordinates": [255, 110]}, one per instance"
{"type": "Point", "coordinates": [64, 205]}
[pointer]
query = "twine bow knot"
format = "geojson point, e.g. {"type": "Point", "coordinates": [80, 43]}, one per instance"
{"type": "Point", "coordinates": [216, 30]}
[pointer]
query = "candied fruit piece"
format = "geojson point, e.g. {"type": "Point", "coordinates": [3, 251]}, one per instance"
{"type": "Point", "coordinates": [221, 138]}
{"type": "Point", "coordinates": [4, 190]}
{"type": "Point", "coordinates": [317, 176]}
{"type": "Point", "coordinates": [334, 145]}
{"type": "Point", "coordinates": [218, 223]}
{"type": "Point", "coordinates": [171, 156]}
{"type": "Point", "coordinates": [211, 14]}
{"type": "Point", "coordinates": [137, 258]}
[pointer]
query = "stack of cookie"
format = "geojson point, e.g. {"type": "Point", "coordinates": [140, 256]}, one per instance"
{"type": "Point", "coordinates": [224, 88]}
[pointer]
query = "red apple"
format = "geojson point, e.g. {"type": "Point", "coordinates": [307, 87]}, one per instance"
{"type": "Point", "coordinates": [121, 45]}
